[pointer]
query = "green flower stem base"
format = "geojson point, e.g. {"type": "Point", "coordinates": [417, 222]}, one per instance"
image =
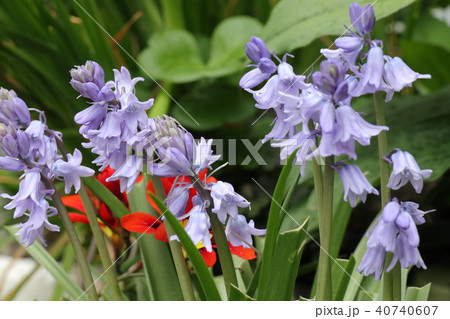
{"type": "Point", "coordinates": [74, 240]}
{"type": "Point", "coordinates": [223, 249]}
{"type": "Point", "coordinates": [109, 271]}
{"type": "Point", "coordinates": [324, 197]}
{"type": "Point", "coordinates": [180, 262]}
{"type": "Point", "coordinates": [391, 280]}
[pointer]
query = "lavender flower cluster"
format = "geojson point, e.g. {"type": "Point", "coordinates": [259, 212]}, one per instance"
{"type": "Point", "coordinates": [125, 139]}
{"type": "Point", "coordinates": [317, 119]}
{"type": "Point", "coordinates": [29, 146]}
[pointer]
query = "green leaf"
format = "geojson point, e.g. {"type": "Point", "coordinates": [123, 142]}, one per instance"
{"type": "Point", "coordinates": [173, 56]}
{"type": "Point", "coordinates": [295, 23]}
{"type": "Point", "coordinates": [427, 59]}
{"type": "Point", "coordinates": [213, 107]}
{"type": "Point", "coordinates": [428, 29]}
{"type": "Point", "coordinates": [238, 295]}
{"type": "Point", "coordinates": [104, 194]}
{"type": "Point", "coordinates": [276, 216]}
{"type": "Point", "coordinates": [285, 262]}
{"type": "Point", "coordinates": [340, 270]}
{"type": "Point", "coordinates": [228, 44]}
{"type": "Point", "coordinates": [54, 268]}
{"type": "Point", "coordinates": [196, 259]}
{"type": "Point", "coordinates": [158, 264]}
{"type": "Point", "coordinates": [418, 294]}
{"type": "Point", "coordinates": [417, 124]}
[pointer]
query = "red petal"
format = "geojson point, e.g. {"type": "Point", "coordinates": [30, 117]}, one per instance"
{"type": "Point", "coordinates": [140, 223]}
{"type": "Point", "coordinates": [211, 180]}
{"type": "Point", "coordinates": [245, 253]}
{"type": "Point", "coordinates": [161, 234]}
{"type": "Point", "coordinates": [105, 214]}
{"type": "Point", "coordinates": [209, 257]}
{"type": "Point", "coordinates": [73, 201]}
{"type": "Point", "coordinates": [78, 218]}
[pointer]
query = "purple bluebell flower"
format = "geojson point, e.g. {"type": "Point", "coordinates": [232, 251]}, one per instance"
{"type": "Point", "coordinates": [198, 226]}
{"type": "Point", "coordinates": [354, 182]}
{"type": "Point", "coordinates": [398, 75]}
{"type": "Point", "coordinates": [34, 227]}
{"type": "Point", "coordinates": [350, 125]}
{"type": "Point", "coordinates": [363, 19]}
{"type": "Point", "coordinates": [178, 152]}
{"type": "Point", "coordinates": [30, 146]}
{"type": "Point", "coordinates": [13, 109]}
{"type": "Point", "coordinates": [89, 81]}
{"type": "Point", "coordinates": [395, 232]}
{"type": "Point", "coordinates": [256, 49]}
{"type": "Point", "coordinates": [128, 173]}
{"type": "Point", "coordinates": [405, 169]}
{"type": "Point", "coordinates": [239, 233]}
{"type": "Point", "coordinates": [371, 77]}
{"type": "Point", "coordinates": [226, 201]}
{"type": "Point", "coordinates": [330, 77]}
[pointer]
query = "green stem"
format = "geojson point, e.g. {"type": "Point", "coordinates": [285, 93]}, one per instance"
{"type": "Point", "coordinates": [223, 249]}
{"type": "Point", "coordinates": [100, 242]}
{"type": "Point", "coordinates": [74, 240]}
{"type": "Point", "coordinates": [391, 280]}
{"type": "Point", "coordinates": [175, 247]}
{"type": "Point", "coordinates": [173, 14]}
{"type": "Point", "coordinates": [324, 289]}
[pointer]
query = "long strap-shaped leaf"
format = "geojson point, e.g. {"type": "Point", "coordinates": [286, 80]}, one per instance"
{"type": "Point", "coordinates": [197, 261]}
{"type": "Point", "coordinates": [273, 226]}
{"type": "Point", "coordinates": [118, 208]}
{"type": "Point", "coordinates": [54, 268]}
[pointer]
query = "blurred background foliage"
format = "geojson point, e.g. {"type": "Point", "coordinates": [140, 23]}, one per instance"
{"type": "Point", "coordinates": [191, 54]}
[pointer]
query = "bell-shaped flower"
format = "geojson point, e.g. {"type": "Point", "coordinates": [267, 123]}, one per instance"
{"type": "Point", "coordinates": [226, 201]}
{"type": "Point", "coordinates": [399, 75]}
{"type": "Point", "coordinates": [71, 171]}
{"type": "Point", "coordinates": [239, 233]}
{"type": "Point", "coordinates": [405, 169]}
{"type": "Point", "coordinates": [350, 125]}
{"type": "Point", "coordinates": [198, 226]}
{"type": "Point", "coordinates": [34, 227]}
{"type": "Point", "coordinates": [89, 81]}
{"type": "Point", "coordinates": [354, 182]}
{"type": "Point", "coordinates": [363, 19]}
{"type": "Point", "coordinates": [256, 49]}
{"type": "Point", "coordinates": [13, 109]}
{"type": "Point", "coordinates": [371, 77]}
{"type": "Point", "coordinates": [395, 232]}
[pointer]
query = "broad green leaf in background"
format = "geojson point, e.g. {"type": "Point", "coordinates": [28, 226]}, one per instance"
{"type": "Point", "coordinates": [174, 55]}
{"type": "Point", "coordinates": [212, 107]}
{"type": "Point", "coordinates": [295, 23]}
{"type": "Point", "coordinates": [417, 124]}
{"type": "Point", "coordinates": [227, 44]}
{"type": "Point", "coordinates": [430, 30]}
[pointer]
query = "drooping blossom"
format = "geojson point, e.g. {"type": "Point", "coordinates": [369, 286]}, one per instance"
{"type": "Point", "coordinates": [395, 232]}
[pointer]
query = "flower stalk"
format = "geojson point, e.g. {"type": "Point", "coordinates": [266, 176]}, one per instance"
{"type": "Point", "coordinates": [325, 213]}
{"type": "Point", "coordinates": [175, 247]}
{"type": "Point", "coordinates": [223, 249]}
{"type": "Point", "coordinates": [392, 279]}
{"type": "Point", "coordinates": [74, 240]}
